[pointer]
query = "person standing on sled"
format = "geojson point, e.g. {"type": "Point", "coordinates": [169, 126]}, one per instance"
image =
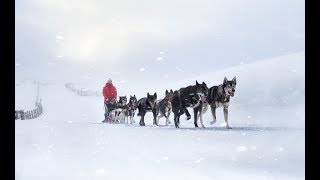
{"type": "Point", "coordinates": [110, 96]}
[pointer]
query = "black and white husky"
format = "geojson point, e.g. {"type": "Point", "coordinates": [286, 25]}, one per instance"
{"type": "Point", "coordinates": [121, 106]}
{"type": "Point", "coordinates": [189, 96]}
{"type": "Point", "coordinates": [131, 109]}
{"type": "Point", "coordinates": [164, 107]}
{"type": "Point", "coordinates": [219, 96]}
{"type": "Point", "coordinates": [147, 104]}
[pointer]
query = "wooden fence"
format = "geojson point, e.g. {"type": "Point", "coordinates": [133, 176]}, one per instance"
{"type": "Point", "coordinates": [82, 91]}
{"type": "Point", "coordinates": [31, 114]}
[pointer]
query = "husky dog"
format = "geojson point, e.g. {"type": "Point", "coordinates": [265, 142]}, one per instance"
{"type": "Point", "coordinates": [187, 97]}
{"type": "Point", "coordinates": [145, 105]}
{"type": "Point", "coordinates": [219, 96]}
{"type": "Point", "coordinates": [163, 108]}
{"type": "Point", "coordinates": [121, 106]}
{"type": "Point", "coordinates": [201, 109]}
{"type": "Point", "coordinates": [131, 109]}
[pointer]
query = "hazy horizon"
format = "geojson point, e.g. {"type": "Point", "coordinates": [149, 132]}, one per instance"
{"type": "Point", "coordinates": [150, 41]}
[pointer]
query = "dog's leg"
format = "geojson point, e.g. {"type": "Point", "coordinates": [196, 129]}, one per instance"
{"type": "Point", "coordinates": [154, 112]}
{"type": "Point", "coordinates": [178, 122]}
{"type": "Point", "coordinates": [201, 114]}
{"type": "Point", "coordinates": [176, 118]}
{"type": "Point", "coordinates": [159, 118]}
{"type": "Point", "coordinates": [132, 115]}
{"type": "Point", "coordinates": [122, 119]}
{"type": "Point", "coordinates": [143, 113]}
{"type": "Point", "coordinates": [195, 112]}
{"type": "Point", "coordinates": [187, 113]}
{"type": "Point", "coordinates": [225, 112]}
{"type": "Point", "coordinates": [163, 114]}
{"type": "Point", "coordinates": [198, 114]}
{"type": "Point", "coordinates": [204, 108]}
{"type": "Point", "coordinates": [213, 111]}
{"type": "Point", "coordinates": [126, 117]}
{"type": "Point", "coordinates": [168, 115]}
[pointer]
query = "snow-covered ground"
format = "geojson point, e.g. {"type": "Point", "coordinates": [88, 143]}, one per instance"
{"type": "Point", "coordinates": [267, 140]}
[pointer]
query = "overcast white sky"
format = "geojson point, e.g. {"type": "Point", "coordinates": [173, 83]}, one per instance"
{"type": "Point", "coordinates": [150, 40]}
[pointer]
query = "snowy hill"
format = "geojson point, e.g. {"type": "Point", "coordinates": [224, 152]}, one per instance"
{"type": "Point", "coordinates": [278, 81]}
{"type": "Point", "coordinates": [266, 142]}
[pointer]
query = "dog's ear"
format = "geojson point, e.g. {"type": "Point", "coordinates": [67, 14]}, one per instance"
{"type": "Point", "coordinates": [204, 83]}
{"type": "Point", "coordinates": [155, 94]}
{"type": "Point", "coordinates": [225, 80]}
{"type": "Point", "coordinates": [134, 95]}
{"type": "Point", "coordinates": [234, 80]}
{"type": "Point", "coordinates": [167, 92]}
{"type": "Point", "coordinates": [171, 91]}
{"type": "Point", "coordinates": [148, 95]}
{"type": "Point", "coordinates": [197, 82]}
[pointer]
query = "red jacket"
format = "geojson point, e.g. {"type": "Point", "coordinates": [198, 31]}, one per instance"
{"type": "Point", "coordinates": [109, 91]}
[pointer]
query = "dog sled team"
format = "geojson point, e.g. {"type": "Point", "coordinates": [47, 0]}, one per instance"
{"type": "Point", "coordinates": [197, 97]}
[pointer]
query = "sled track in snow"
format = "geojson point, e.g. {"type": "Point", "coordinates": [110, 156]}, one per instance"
{"type": "Point", "coordinates": [171, 127]}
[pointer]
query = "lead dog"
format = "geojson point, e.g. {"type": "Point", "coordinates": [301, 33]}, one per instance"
{"type": "Point", "coordinates": [219, 96]}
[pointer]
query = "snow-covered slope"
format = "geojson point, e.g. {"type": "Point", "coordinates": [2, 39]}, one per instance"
{"type": "Point", "coordinates": [25, 95]}
{"type": "Point", "coordinates": [266, 142]}
{"type": "Point", "coordinates": [278, 81]}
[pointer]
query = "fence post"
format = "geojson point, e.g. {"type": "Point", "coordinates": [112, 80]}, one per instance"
{"type": "Point", "coordinates": [27, 114]}
{"type": "Point", "coordinates": [16, 115]}
{"type": "Point", "coordinates": [23, 117]}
